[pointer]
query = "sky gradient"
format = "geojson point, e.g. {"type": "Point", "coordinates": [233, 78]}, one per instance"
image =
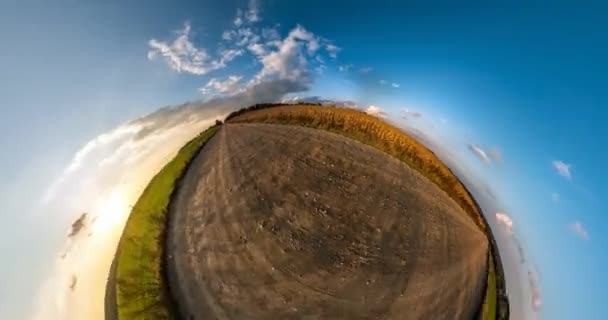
{"type": "Point", "coordinates": [514, 95]}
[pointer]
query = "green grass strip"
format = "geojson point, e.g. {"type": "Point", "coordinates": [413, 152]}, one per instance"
{"type": "Point", "coordinates": [488, 311]}
{"type": "Point", "coordinates": [141, 290]}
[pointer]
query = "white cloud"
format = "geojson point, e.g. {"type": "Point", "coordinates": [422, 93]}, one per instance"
{"type": "Point", "coordinates": [366, 69]}
{"type": "Point", "coordinates": [562, 168]}
{"type": "Point", "coordinates": [287, 60]}
{"type": "Point", "coordinates": [297, 57]}
{"type": "Point", "coordinates": [240, 37]}
{"type": "Point", "coordinates": [253, 13]}
{"type": "Point", "coordinates": [183, 56]}
{"type": "Point", "coordinates": [238, 20]}
{"type": "Point", "coordinates": [249, 16]}
{"type": "Point", "coordinates": [580, 230]}
{"type": "Point", "coordinates": [100, 144]}
{"type": "Point", "coordinates": [384, 82]}
{"type": "Point", "coordinates": [228, 86]}
{"type": "Point", "coordinates": [479, 152]}
{"type": "Point", "coordinates": [345, 68]}
{"type": "Point", "coordinates": [227, 35]}
{"type": "Point", "coordinates": [257, 49]}
{"type": "Point", "coordinates": [229, 55]}
{"type": "Point", "coordinates": [492, 155]}
{"type": "Point", "coordinates": [407, 114]}
{"type": "Point", "coordinates": [309, 38]}
{"type": "Point", "coordinates": [332, 50]}
{"type": "Point", "coordinates": [245, 36]}
{"type": "Point", "coordinates": [319, 59]}
{"type": "Point", "coordinates": [505, 221]}
{"type": "Point", "coordinates": [270, 34]}
{"type": "Point", "coordinates": [376, 111]}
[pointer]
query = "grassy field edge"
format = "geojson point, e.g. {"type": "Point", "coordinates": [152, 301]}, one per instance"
{"type": "Point", "coordinates": [141, 288]}
{"type": "Point", "coordinates": [375, 132]}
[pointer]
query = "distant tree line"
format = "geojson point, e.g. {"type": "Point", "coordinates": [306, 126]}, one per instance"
{"type": "Point", "coordinates": [260, 106]}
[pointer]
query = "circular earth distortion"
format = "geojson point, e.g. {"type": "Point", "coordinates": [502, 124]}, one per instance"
{"type": "Point", "coordinates": [286, 222]}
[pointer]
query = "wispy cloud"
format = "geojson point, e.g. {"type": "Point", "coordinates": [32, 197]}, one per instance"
{"type": "Point", "coordinates": [183, 56]}
{"type": "Point", "coordinates": [230, 85]}
{"type": "Point", "coordinates": [253, 13]}
{"type": "Point", "coordinates": [487, 155]}
{"type": "Point", "coordinates": [298, 57]}
{"type": "Point", "coordinates": [332, 50]}
{"type": "Point", "coordinates": [384, 82]}
{"type": "Point", "coordinates": [241, 37]}
{"type": "Point", "coordinates": [366, 69]}
{"type": "Point", "coordinates": [562, 168]}
{"type": "Point", "coordinates": [249, 15]}
{"type": "Point", "coordinates": [579, 230]}
{"type": "Point", "coordinates": [410, 114]}
{"type": "Point", "coordinates": [345, 68]}
{"type": "Point", "coordinates": [479, 153]}
{"type": "Point", "coordinates": [257, 49]}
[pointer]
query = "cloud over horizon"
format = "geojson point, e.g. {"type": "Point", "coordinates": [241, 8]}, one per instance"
{"type": "Point", "coordinates": [479, 152]}
{"type": "Point", "coordinates": [505, 221]}
{"type": "Point", "coordinates": [376, 111]}
{"type": "Point", "coordinates": [487, 155]}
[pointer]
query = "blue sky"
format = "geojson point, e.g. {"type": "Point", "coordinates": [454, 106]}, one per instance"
{"type": "Point", "coordinates": [526, 80]}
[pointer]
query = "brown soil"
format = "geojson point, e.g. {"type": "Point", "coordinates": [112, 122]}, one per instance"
{"type": "Point", "coordinates": [283, 222]}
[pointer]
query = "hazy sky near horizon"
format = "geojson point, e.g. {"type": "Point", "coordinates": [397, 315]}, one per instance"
{"type": "Point", "coordinates": [516, 93]}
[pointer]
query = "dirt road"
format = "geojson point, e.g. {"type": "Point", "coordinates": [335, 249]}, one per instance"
{"type": "Point", "coordinates": [282, 222]}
